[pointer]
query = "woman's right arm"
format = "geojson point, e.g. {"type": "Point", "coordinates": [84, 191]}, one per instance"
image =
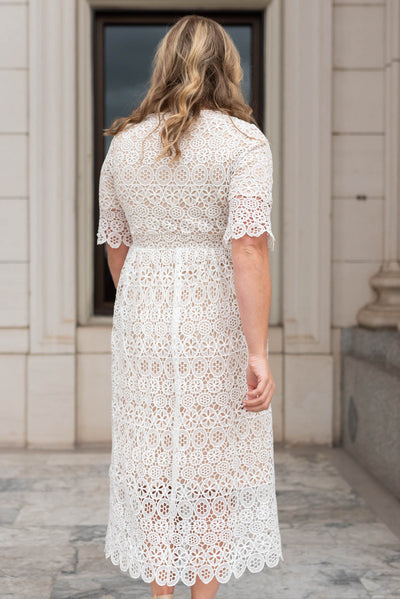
{"type": "Point", "coordinates": [250, 231]}
{"type": "Point", "coordinates": [253, 291]}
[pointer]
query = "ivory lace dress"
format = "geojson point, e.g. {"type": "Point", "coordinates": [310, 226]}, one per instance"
{"type": "Point", "coordinates": [192, 483]}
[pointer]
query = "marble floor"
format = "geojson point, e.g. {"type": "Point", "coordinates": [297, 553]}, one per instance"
{"type": "Point", "coordinates": [340, 530]}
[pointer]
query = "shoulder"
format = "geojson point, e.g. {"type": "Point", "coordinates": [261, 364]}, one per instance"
{"type": "Point", "coordinates": [243, 128]}
{"type": "Point", "coordinates": [134, 131]}
{"type": "Point", "coordinates": [249, 129]}
{"type": "Point", "coordinates": [248, 142]}
{"type": "Point", "coordinates": [244, 136]}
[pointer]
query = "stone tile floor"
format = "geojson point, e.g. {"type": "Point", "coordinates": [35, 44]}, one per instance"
{"type": "Point", "coordinates": [336, 545]}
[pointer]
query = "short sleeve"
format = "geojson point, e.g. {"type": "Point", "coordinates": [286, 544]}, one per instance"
{"type": "Point", "coordinates": [250, 195]}
{"type": "Point", "coordinates": [113, 226]}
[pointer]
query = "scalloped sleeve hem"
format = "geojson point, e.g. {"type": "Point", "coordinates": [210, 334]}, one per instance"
{"type": "Point", "coordinates": [251, 232]}
{"type": "Point", "coordinates": [250, 195]}
{"type": "Point", "coordinates": [113, 226]}
{"type": "Point", "coordinates": [114, 237]}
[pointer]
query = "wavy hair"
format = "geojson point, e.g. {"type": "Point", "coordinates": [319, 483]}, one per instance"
{"type": "Point", "coordinates": [196, 66]}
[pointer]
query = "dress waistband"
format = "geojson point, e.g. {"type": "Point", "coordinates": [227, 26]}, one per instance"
{"type": "Point", "coordinates": [191, 253]}
{"type": "Point", "coordinates": [178, 248]}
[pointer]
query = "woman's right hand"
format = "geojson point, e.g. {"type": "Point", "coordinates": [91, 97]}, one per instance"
{"type": "Point", "coordinates": [261, 385]}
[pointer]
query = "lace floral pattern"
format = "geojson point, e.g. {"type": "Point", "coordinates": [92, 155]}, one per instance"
{"type": "Point", "coordinates": [192, 482]}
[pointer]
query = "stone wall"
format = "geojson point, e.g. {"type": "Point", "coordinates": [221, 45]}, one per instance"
{"type": "Point", "coordinates": [14, 226]}
{"type": "Point", "coordinates": [371, 401]}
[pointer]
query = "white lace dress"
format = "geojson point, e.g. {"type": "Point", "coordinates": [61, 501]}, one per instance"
{"type": "Point", "coordinates": [192, 483]}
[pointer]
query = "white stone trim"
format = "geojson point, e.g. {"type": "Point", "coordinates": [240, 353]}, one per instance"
{"type": "Point", "coordinates": [306, 234]}
{"type": "Point", "coordinates": [384, 311]}
{"type": "Point", "coordinates": [391, 237]}
{"type": "Point", "coordinates": [52, 173]}
{"type": "Point", "coordinates": [273, 130]}
{"type": "Point", "coordinates": [85, 189]}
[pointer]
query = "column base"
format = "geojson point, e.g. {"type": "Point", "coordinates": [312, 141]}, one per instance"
{"type": "Point", "coordinates": [385, 310]}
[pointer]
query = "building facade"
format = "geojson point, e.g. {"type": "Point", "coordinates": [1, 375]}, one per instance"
{"type": "Point", "coordinates": [331, 113]}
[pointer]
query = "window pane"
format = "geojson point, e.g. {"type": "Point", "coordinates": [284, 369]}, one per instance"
{"type": "Point", "coordinates": [128, 52]}
{"type": "Point", "coordinates": [241, 37]}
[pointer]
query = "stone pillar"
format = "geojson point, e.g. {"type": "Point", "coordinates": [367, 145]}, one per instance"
{"type": "Point", "coordinates": [52, 130]}
{"type": "Point", "coordinates": [306, 234]}
{"type": "Point", "coordinates": [384, 311]}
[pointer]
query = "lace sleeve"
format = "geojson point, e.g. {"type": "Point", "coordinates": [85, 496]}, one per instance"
{"type": "Point", "coordinates": [113, 226]}
{"type": "Point", "coordinates": [250, 195]}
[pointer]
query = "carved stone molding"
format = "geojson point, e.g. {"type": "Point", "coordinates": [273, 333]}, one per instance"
{"type": "Point", "coordinates": [52, 175]}
{"type": "Point", "coordinates": [385, 310]}
{"type": "Point", "coordinates": [306, 237]}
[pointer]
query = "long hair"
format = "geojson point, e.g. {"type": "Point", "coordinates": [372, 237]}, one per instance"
{"type": "Point", "coordinates": [196, 66]}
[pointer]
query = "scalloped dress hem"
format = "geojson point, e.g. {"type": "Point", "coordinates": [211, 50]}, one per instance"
{"type": "Point", "coordinates": [222, 580]}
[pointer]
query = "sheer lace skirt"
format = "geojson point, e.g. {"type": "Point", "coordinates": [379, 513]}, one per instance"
{"type": "Point", "coordinates": [192, 482]}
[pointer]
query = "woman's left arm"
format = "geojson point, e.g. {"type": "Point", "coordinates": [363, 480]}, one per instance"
{"type": "Point", "coordinates": [116, 258]}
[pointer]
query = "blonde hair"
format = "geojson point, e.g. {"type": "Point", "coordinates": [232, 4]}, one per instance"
{"type": "Point", "coordinates": [196, 66]}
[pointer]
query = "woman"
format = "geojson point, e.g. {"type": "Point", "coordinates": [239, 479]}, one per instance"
{"type": "Point", "coordinates": [185, 202]}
